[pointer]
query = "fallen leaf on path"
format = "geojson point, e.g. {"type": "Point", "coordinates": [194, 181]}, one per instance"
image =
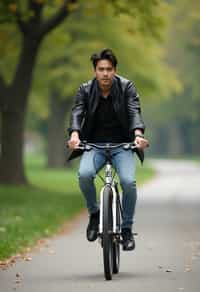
{"type": "Point", "coordinates": [188, 269]}
{"type": "Point", "coordinates": [3, 263]}
{"type": "Point", "coordinates": [27, 259]}
{"type": "Point", "coordinates": [13, 261]}
{"type": "Point", "coordinates": [18, 275]}
{"type": "Point", "coordinates": [169, 271]}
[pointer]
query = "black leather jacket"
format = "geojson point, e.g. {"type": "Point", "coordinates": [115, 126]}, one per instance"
{"type": "Point", "coordinates": [126, 105]}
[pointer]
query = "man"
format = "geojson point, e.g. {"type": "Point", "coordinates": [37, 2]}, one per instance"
{"type": "Point", "coordinates": [107, 109]}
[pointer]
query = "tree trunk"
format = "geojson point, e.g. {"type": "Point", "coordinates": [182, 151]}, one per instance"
{"type": "Point", "coordinates": [13, 117]}
{"type": "Point", "coordinates": [175, 141]}
{"type": "Point", "coordinates": [160, 141]}
{"type": "Point", "coordinates": [56, 129]}
{"type": "Point", "coordinates": [0, 131]}
{"type": "Point", "coordinates": [13, 98]}
{"type": "Point", "coordinates": [11, 163]}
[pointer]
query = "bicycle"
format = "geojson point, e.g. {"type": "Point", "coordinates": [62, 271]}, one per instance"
{"type": "Point", "coordinates": [111, 212]}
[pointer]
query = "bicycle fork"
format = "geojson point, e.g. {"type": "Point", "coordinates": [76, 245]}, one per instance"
{"type": "Point", "coordinates": [114, 208]}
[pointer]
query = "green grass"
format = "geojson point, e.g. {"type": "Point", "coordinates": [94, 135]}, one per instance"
{"type": "Point", "coordinates": [28, 213]}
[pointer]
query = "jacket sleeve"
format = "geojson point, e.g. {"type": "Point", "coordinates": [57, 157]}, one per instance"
{"type": "Point", "coordinates": [134, 109]}
{"type": "Point", "coordinates": [78, 111]}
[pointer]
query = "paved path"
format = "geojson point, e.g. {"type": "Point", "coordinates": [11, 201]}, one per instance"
{"type": "Point", "coordinates": [167, 256]}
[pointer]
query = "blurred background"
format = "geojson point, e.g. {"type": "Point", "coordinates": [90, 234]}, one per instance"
{"type": "Point", "coordinates": [157, 44]}
{"type": "Point", "coordinates": [45, 49]}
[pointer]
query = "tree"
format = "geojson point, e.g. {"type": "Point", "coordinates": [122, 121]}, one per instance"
{"type": "Point", "coordinates": [33, 27]}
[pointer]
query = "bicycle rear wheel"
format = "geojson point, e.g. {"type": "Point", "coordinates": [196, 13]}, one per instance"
{"type": "Point", "coordinates": [107, 233]}
{"type": "Point", "coordinates": [116, 242]}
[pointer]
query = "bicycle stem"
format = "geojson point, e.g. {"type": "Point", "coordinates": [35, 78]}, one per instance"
{"type": "Point", "coordinates": [108, 173]}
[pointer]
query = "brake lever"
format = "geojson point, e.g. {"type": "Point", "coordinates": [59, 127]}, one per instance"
{"type": "Point", "coordinates": [128, 146]}
{"type": "Point", "coordinates": [133, 147]}
{"type": "Point", "coordinates": [80, 148]}
{"type": "Point", "coordinates": [84, 146]}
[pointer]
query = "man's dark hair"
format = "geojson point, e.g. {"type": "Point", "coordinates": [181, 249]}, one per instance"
{"type": "Point", "coordinates": [105, 54]}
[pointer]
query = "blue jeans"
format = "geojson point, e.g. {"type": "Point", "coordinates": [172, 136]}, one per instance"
{"type": "Point", "coordinates": [124, 163]}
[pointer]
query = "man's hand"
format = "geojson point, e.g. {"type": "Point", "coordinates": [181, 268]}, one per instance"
{"type": "Point", "coordinates": [141, 143]}
{"type": "Point", "coordinates": [74, 140]}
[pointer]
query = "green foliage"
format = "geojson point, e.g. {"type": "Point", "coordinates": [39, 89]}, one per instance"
{"type": "Point", "coordinates": [184, 54]}
{"type": "Point", "coordinates": [178, 119]}
{"type": "Point", "coordinates": [144, 14]}
{"type": "Point", "coordinates": [140, 55]}
{"type": "Point", "coordinates": [8, 9]}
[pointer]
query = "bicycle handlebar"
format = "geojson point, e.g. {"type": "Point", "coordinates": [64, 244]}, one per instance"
{"type": "Point", "coordinates": [88, 146]}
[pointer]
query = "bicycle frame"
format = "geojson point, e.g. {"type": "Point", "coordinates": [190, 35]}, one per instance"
{"type": "Point", "coordinates": [109, 181]}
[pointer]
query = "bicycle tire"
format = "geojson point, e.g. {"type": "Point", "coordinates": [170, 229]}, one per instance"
{"type": "Point", "coordinates": [116, 243]}
{"type": "Point", "coordinates": [107, 233]}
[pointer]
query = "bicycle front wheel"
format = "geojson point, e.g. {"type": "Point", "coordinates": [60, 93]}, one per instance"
{"type": "Point", "coordinates": [107, 232]}
{"type": "Point", "coordinates": [116, 242]}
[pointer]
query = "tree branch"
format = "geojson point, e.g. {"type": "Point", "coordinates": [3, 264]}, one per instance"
{"type": "Point", "coordinates": [21, 24]}
{"type": "Point", "coordinates": [37, 8]}
{"type": "Point", "coordinates": [26, 27]}
{"type": "Point", "coordinates": [57, 18]}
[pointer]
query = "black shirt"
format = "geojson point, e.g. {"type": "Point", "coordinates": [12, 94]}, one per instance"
{"type": "Point", "coordinates": [107, 127]}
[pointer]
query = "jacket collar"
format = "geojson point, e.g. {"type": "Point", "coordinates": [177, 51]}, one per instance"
{"type": "Point", "coordinates": [113, 88]}
{"type": "Point", "coordinates": [96, 94]}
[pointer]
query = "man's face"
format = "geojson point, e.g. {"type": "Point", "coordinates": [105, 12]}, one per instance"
{"type": "Point", "coordinates": [104, 73]}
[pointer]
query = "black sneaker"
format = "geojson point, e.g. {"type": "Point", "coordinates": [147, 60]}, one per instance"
{"type": "Point", "coordinates": [93, 227]}
{"type": "Point", "coordinates": [128, 242]}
